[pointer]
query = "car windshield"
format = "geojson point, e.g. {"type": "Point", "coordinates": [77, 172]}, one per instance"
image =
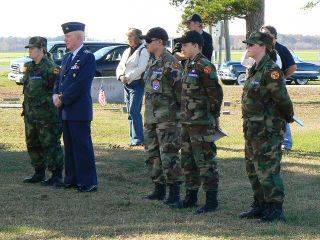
{"type": "Point", "coordinates": [101, 52]}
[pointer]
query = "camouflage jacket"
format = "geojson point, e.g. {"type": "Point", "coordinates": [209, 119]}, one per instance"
{"type": "Point", "coordinates": [38, 82]}
{"type": "Point", "coordinates": [162, 88]}
{"type": "Point", "coordinates": [265, 98]}
{"type": "Point", "coordinates": [202, 95]}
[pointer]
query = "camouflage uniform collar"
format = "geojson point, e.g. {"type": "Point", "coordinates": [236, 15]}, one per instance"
{"type": "Point", "coordinates": [263, 61]}
{"type": "Point", "coordinates": [43, 60]}
{"type": "Point", "coordinates": [197, 57]}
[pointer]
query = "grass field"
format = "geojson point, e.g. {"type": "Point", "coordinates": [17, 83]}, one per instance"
{"type": "Point", "coordinates": [117, 210]}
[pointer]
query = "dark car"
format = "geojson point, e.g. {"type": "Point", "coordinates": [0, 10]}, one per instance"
{"type": "Point", "coordinates": [107, 59]}
{"type": "Point", "coordinates": [58, 48]}
{"type": "Point", "coordinates": [234, 72]}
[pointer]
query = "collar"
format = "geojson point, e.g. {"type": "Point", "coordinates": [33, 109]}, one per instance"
{"type": "Point", "coordinates": [74, 53]}
{"type": "Point", "coordinates": [262, 62]}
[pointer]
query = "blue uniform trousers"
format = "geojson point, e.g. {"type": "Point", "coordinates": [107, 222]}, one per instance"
{"type": "Point", "coordinates": [80, 168]}
{"type": "Point", "coordinates": [133, 95]}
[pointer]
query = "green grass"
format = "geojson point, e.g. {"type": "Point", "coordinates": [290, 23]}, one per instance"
{"type": "Point", "coordinates": [117, 210]}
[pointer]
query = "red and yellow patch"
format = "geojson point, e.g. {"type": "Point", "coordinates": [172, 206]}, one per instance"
{"type": "Point", "coordinates": [56, 71]}
{"type": "Point", "coordinates": [207, 69]}
{"type": "Point", "coordinates": [176, 65]}
{"type": "Point", "coordinates": [275, 75]}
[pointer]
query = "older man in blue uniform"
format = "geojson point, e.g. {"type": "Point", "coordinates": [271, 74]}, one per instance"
{"type": "Point", "coordinates": [72, 97]}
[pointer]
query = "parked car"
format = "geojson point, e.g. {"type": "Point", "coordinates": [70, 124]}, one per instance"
{"type": "Point", "coordinates": [107, 60]}
{"type": "Point", "coordinates": [233, 72]}
{"type": "Point", "coordinates": [57, 49]}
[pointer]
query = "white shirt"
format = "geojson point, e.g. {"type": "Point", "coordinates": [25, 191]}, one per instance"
{"type": "Point", "coordinates": [132, 67]}
{"type": "Point", "coordinates": [248, 61]}
{"type": "Point", "coordinates": [74, 53]}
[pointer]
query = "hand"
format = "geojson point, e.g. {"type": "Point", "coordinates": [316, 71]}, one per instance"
{"type": "Point", "coordinates": [56, 100]}
{"type": "Point", "coordinates": [124, 79]}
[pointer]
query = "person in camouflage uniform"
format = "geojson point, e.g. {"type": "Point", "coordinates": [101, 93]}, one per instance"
{"type": "Point", "coordinates": [266, 108]}
{"type": "Point", "coordinates": [42, 126]}
{"type": "Point", "coordinates": [201, 100]}
{"type": "Point", "coordinates": [162, 102]}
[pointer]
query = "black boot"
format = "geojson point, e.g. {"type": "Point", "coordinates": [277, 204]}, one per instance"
{"type": "Point", "coordinates": [274, 212]}
{"type": "Point", "coordinates": [159, 192]}
{"type": "Point", "coordinates": [257, 210]}
{"type": "Point", "coordinates": [38, 176]}
{"type": "Point", "coordinates": [174, 194]}
{"type": "Point", "coordinates": [55, 180]}
{"type": "Point", "coordinates": [211, 203]}
{"type": "Point", "coordinates": [189, 201]}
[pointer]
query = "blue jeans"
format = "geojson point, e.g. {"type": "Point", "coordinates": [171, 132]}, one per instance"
{"type": "Point", "coordinates": [133, 95]}
{"type": "Point", "coordinates": [287, 142]}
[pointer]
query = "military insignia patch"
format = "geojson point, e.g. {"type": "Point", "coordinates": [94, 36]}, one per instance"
{"type": "Point", "coordinates": [207, 69]}
{"type": "Point", "coordinates": [156, 85]}
{"type": "Point", "coordinates": [56, 71]}
{"type": "Point", "coordinates": [275, 75]}
{"type": "Point", "coordinates": [176, 65]}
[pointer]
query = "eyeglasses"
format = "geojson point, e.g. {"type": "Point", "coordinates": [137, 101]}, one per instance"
{"type": "Point", "coordinates": [150, 40]}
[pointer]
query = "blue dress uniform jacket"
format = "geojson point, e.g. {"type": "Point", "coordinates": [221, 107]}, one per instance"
{"type": "Point", "coordinates": [74, 85]}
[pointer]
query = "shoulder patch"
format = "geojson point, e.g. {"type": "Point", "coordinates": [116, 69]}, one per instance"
{"type": "Point", "coordinates": [275, 75]}
{"type": "Point", "coordinates": [207, 69]}
{"type": "Point", "coordinates": [176, 65]}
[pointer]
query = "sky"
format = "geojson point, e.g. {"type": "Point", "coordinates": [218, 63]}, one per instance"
{"type": "Point", "coordinates": [110, 19]}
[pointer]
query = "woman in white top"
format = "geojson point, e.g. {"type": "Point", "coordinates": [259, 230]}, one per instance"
{"type": "Point", "coordinates": [130, 72]}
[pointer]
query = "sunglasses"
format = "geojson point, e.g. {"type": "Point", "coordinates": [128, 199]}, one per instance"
{"type": "Point", "coordinates": [150, 40]}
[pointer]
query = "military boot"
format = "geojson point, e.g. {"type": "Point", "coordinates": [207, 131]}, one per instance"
{"type": "Point", "coordinates": [55, 180]}
{"type": "Point", "coordinates": [211, 203]}
{"type": "Point", "coordinates": [174, 194]}
{"type": "Point", "coordinates": [38, 176]}
{"type": "Point", "coordinates": [159, 192]}
{"type": "Point", "coordinates": [274, 212]}
{"type": "Point", "coordinates": [257, 210]}
{"type": "Point", "coordinates": [189, 201]}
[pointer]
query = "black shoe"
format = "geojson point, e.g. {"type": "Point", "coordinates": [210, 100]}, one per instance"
{"type": "Point", "coordinates": [189, 201]}
{"type": "Point", "coordinates": [38, 176]}
{"type": "Point", "coordinates": [257, 210]}
{"type": "Point", "coordinates": [54, 181]}
{"type": "Point", "coordinates": [92, 188]}
{"type": "Point", "coordinates": [273, 213]}
{"type": "Point", "coordinates": [211, 203]}
{"type": "Point", "coordinates": [159, 192]}
{"type": "Point", "coordinates": [70, 185]}
{"type": "Point", "coordinates": [174, 195]}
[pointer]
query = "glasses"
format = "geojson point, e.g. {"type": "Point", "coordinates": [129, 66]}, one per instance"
{"type": "Point", "coordinates": [249, 45]}
{"type": "Point", "coordinates": [150, 40]}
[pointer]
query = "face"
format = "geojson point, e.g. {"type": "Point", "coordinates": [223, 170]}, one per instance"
{"type": "Point", "coordinates": [73, 40]}
{"type": "Point", "coordinates": [193, 26]}
{"type": "Point", "coordinates": [35, 52]}
{"type": "Point", "coordinates": [131, 39]}
{"type": "Point", "coordinates": [189, 49]}
{"type": "Point", "coordinates": [153, 44]}
{"type": "Point", "coordinates": [255, 49]}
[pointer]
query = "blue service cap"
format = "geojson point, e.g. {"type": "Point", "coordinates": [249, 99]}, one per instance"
{"type": "Point", "coordinates": [72, 26]}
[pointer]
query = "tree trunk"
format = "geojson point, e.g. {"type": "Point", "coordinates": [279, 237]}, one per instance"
{"type": "Point", "coordinates": [254, 20]}
{"type": "Point", "coordinates": [227, 39]}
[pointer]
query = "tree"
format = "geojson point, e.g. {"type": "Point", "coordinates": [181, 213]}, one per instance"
{"type": "Point", "coordinates": [213, 11]}
{"type": "Point", "coordinates": [311, 4]}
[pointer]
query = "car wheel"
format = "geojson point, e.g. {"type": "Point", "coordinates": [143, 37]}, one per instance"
{"type": "Point", "coordinates": [241, 79]}
{"type": "Point", "coordinates": [301, 81]}
{"type": "Point", "coordinates": [227, 82]}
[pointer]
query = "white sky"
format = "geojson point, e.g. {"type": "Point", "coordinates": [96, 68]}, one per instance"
{"type": "Point", "coordinates": [110, 19]}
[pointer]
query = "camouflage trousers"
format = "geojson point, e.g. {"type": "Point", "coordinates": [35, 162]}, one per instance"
{"type": "Point", "coordinates": [162, 152]}
{"type": "Point", "coordinates": [43, 144]}
{"type": "Point", "coordinates": [198, 157]}
{"type": "Point", "coordinates": [263, 156]}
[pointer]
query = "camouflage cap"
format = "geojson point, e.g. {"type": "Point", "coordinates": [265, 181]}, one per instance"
{"type": "Point", "coordinates": [193, 37]}
{"type": "Point", "coordinates": [39, 42]}
{"type": "Point", "coordinates": [260, 38]}
{"type": "Point", "coordinates": [157, 32]}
